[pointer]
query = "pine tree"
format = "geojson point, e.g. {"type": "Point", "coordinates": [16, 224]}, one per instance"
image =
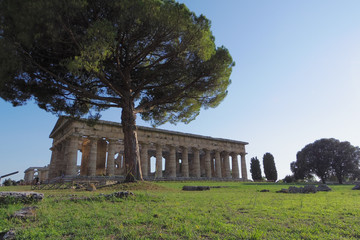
{"type": "Point", "coordinates": [154, 59]}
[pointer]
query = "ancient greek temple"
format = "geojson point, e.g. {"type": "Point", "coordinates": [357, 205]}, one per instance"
{"type": "Point", "coordinates": [41, 173]}
{"type": "Point", "coordinates": [164, 154]}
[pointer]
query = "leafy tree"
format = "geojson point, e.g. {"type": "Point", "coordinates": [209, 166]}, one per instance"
{"type": "Point", "coordinates": [317, 156]}
{"type": "Point", "coordinates": [289, 179]}
{"type": "Point", "coordinates": [255, 169]}
{"type": "Point", "coordinates": [327, 157]}
{"type": "Point", "coordinates": [269, 167]}
{"type": "Point", "coordinates": [345, 160]}
{"type": "Point", "coordinates": [300, 167]}
{"type": "Point", "coordinates": [152, 58]}
{"type": "Point", "coordinates": [9, 182]}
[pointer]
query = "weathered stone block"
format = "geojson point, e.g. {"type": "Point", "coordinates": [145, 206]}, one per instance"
{"type": "Point", "coordinates": [323, 188]}
{"type": "Point", "coordinates": [8, 235]}
{"type": "Point", "coordinates": [91, 187]}
{"type": "Point", "coordinates": [124, 194]}
{"type": "Point", "coordinates": [309, 189]}
{"type": "Point", "coordinates": [195, 188]}
{"type": "Point", "coordinates": [24, 197]}
{"type": "Point", "coordinates": [305, 189]}
{"type": "Point", "coordinates": [25, 213]}
{"type": "Point", "coordinates": [283, 190]}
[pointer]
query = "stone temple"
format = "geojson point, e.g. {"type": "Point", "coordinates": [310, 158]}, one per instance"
{"type": "Point", "coordinates": [165, 155]}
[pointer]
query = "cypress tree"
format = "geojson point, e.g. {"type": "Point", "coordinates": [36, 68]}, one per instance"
{"type": "Point", "coordinates": [255, 169]}
{"type": "Point", "coordinates": [269, 167]}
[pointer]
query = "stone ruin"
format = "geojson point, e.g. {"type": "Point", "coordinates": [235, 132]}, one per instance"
{"type": "Point", "coordinates": [101, 146]}
{"type": "Point", "coordinates": [306, 189]}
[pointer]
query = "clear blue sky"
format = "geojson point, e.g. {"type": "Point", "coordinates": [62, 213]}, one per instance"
{"type": "Point", "coordinates": [296, 80]}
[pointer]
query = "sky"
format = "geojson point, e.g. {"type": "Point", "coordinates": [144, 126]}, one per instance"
{"type": "Point", "coordinates": [296, 80]}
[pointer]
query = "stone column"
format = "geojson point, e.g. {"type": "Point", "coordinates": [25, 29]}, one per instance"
{"type": "Point", "coordinates": [172, 162]}
{"type": "Point", "coordinates": [71, 150]}
{"type": "Point", "coordinates": [243, 167]}
{"type": "Point", "coordinates": [158, 170]}
{"type": "Point", "coordinates": [85, 150]}
{"type": "Point", "coordinates": [110, 163]}
{"type": "Point", "coordinates": [185, 162]}
{"type": "Point", "coordinates": [235, 166]}
{"type": "Point", "coordinates": [208, 163]}
{"type": "Point", "coordinates": [196, 163]}
{"type": "Point", "coordinates": [202, 165]}
{"type": "Point", "coordinates": [191, 164]}
{"type": "Point", "coordinates": [29, 176]}
{"type": "Point", "coordinates": [26, 177]}
{"type": "Point", "coordinates": [92, 157]}
{"type": "Point", "coordinates": [45, 175]}
{"type": "Point", "coordinates": [61, 159]}
{"type": "Point", "coordinates": [144, 158]}
{"type": "Point", "coordinates": [217, 164]}
{"type": "Point", "coordinates": [222, 165]}
{"type": "Point", "coordinates": [101, 157]}
{"type": "Point", "coordinates": [53, 162]}
{"type": "Point", "coordinates": [227, 165]}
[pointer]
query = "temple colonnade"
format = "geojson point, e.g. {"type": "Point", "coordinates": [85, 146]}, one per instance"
{"type": "Point", "coordinates": [164, 154]}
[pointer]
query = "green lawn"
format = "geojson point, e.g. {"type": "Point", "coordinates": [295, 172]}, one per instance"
{"type": "Point", "coordinates": [163, 211]}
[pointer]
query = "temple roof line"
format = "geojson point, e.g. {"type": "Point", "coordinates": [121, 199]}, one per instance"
{"type": "Point", "coordinates": [64, 120]}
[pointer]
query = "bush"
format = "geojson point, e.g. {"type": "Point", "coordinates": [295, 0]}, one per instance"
{"type": "Point", "coordinates": [9, 182]}
{"type": "Point", "coordinates": [289, 179]}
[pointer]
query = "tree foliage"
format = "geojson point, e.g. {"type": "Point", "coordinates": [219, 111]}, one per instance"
{"type": "Point", "coordinates": [9, 182]}
{"type": "Point", "coordinates": [154, 58]}
{"type": "Point", "coordinates": [288, 179]}
{"type": "Point", "coordinates": [300, 167]}
{"type": "Point", "coordinates": [325, 158]}
{"type": "Point", "coordinates": [269, 167]}
{"type": "Point", "coordinates": [255, 169]}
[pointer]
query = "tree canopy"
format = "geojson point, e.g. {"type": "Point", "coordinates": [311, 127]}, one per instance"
{"type": "Point", "coordinates": [269, 167]}
{"type": "Point", "coordinates": [255, 169]}
{"type": "Point", "coordinates": [154, 58]}
{"type": "Point", "coordinates": [327, 157]}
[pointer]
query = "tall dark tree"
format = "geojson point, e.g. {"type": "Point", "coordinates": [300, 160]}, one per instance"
{"type": "Point", "coordinates": [269, 167]}
{"type": "Point", "coordinates": [318, 156]}
{"type": "Point", "coordinates": [152, 58]}
{"type": "Point", "coordinates": [345, 161]}
{"type": "Point", "coordinates": [327, 157]}
{"type": "Point", "coordinates": [300, 167]}
{"type": "Point", "coordinates": [255, 169]}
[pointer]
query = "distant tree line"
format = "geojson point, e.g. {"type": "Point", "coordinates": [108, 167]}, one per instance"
{"type": "Point", "coordinates": [269, 168]}
{"type": "Point", "coordinates": [326, 159]}
{"type": "Point", "coordinates": [9, 182]}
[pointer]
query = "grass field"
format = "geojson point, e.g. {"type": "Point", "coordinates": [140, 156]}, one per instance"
{"type": "Point", "coordinates": [163, 211]}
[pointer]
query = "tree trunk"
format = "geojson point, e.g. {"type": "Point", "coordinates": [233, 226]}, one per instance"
{"type": "Point", "coordinates": [131, 146]}
{"type": "Point", "coordinates": [323, 179]}
{"type": "Point", "coordinates": [340, 178]}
